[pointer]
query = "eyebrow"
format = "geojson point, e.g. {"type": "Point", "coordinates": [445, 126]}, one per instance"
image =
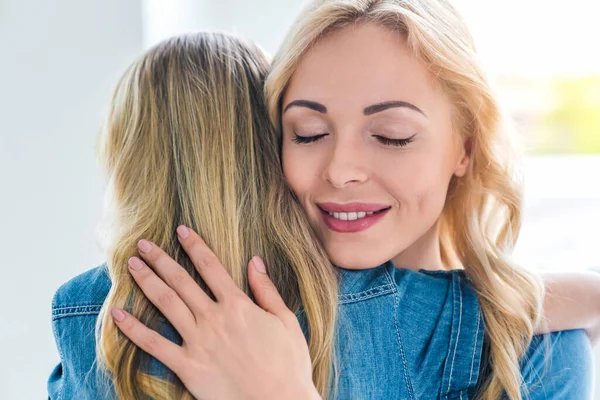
{"type": "Point", "coordinates": [375, 108]}
{"type": "Point", "coordinates": [370, 110]}
{"type": "Point", "coordinates": [313, 105]}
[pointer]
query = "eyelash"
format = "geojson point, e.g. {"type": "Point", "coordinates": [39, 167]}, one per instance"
{"type": "Point", "coordinates": [307, 139]}
{"type": "Point", "coordinates": [394, 142]}
{"type": "Point", "coordinates": [383, 140]}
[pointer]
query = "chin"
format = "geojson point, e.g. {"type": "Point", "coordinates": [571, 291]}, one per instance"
{"type": "Point", "coordinates": [355, 259]}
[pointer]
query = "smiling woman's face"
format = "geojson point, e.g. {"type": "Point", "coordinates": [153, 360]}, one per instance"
{"type": "Point", "coordinates": [369, 149]}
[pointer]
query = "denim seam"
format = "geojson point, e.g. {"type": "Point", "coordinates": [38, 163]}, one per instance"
{"type": "Point", "coordinates": [400, 343]}
{"type": "Point", "coordinates": [388, 278]}
{"type": "Point", "coordinates": [73, 311]}
{"type": "Point", "coordinates": [76, 305]}
{"type": "Point", "coordinates": [457, 334]}
{"type": "Point", "coordinates": [366, 294]}
{"type": "Point", "coordinates": [474, 349]}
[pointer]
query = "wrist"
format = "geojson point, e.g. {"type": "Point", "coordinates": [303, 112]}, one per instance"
{"type": "Point", "coordinates": [306, 391]}
{"type": "Point", "coordinates": [297, 391]}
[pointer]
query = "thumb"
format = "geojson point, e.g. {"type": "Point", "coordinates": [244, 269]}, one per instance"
{"type": "Point", "coordinates": [265, 292]}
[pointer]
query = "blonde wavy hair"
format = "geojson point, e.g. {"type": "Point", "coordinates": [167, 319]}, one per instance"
{"type": "Point", "coordinates": [188, 141]}
{"type": "Point", "coordinates": [482, 215]}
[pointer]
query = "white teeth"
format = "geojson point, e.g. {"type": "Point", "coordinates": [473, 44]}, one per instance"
{"type": "Point", "coordinates": [349, 216]}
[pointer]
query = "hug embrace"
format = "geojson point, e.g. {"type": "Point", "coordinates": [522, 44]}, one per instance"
{"type": "Point", "coordinates": [337, 223]}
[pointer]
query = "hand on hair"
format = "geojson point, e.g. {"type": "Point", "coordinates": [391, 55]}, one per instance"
{"type": "Point", "coordinates": [232, 348]}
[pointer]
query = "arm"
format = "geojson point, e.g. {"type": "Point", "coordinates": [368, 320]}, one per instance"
{"type": "Point", "coordinates": [54, 383]}
{"type": "Point", "coordinates": [76, 376]}
{"type": "Point", "coordinates": [75, 308]}
{"type": "Point", "coordinates": [572, 301]}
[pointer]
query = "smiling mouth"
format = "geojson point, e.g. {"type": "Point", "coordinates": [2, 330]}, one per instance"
{"type": "Point", "coordinates": [353, 216]}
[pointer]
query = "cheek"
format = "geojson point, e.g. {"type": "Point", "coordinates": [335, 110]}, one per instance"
{"type": "Point", "coordinates": [294, 170]}
{"type": "Point", "coordinates": [420, 184]}
{"type": "Point", "coordinates": [431, 199]}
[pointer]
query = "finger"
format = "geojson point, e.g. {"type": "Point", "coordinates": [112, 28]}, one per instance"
{"type": "Point", "coordinates": [265, 292]}
{"type": "Point", "coordinates": [150, 341]}
{"type": "Point", "coordinates": [163, 297]}
{"type": "Point", "coordinates": [207, 264]}
{"type": "Point", "coordinates": [176, 277]}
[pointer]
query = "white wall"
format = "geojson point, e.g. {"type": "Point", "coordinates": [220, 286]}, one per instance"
{"type": "Point", "coordinates": [58, 61]}
{"type": "Point", "coordinates": [264, 21]}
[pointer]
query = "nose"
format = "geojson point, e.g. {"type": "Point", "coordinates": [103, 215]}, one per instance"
{"type": "Point", "coordinates": [346, 165]}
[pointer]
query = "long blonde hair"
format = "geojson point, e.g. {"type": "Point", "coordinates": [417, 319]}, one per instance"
{"type": "Point", "coordinates": [188, 141]}
{"type": "Point", "coordinates": [482, 215]}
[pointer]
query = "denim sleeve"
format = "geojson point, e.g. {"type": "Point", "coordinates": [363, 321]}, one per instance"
{"type": "Point", "coordinates": [55, 383]}
{"type": "Point", "coordinates": [76, 376]}
{"type": "Point", "coordinates": [56, 380]}
{"type": "Point", "coordinates": [557, 366]}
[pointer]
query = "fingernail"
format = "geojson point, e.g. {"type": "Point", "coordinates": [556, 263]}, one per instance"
{"type": "Point", "coordinates": [117, 314]}
{"type": "Point", "coordinates": [259, 265]}
{"type": "Point", "coordinates": [135, 263]}
{"type": "Point", "coordinates": [183, 231]}
{"type": "Point", "coordinates": [144, 246]}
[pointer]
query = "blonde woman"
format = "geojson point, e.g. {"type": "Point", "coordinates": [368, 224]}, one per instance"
{"type": "Point", "coordinates": [187, 142]}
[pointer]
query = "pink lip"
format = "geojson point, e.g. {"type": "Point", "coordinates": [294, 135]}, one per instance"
{"type": "Point", "coordinates": [357, 225]}
{"type": "Point", "coordinates": [352, 207]}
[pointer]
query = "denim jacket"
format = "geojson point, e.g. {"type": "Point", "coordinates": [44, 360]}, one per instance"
{"type": "Point", "coordinates": [401, 334]}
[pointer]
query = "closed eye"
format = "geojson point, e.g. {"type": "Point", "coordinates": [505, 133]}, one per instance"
{"type": "Point", "coordinates": [394, 142]}
{"type": "Point", "coordinates": [308, 139]}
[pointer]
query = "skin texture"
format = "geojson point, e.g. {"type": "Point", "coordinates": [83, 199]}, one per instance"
{"type": "Point", "coordinates": [345, 73]}
{"type": "Point", "coordinates": [572, 301]}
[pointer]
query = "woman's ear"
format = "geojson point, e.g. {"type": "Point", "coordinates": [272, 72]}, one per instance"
{"type": "Point", "coordinates": [464, 158]}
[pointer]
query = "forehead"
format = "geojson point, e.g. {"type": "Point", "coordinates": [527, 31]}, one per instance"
{"type": "Point", "coordinates": [361, 65]}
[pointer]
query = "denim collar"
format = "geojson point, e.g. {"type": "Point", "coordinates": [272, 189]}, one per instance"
{"type": "Point", "coordinates": [355, 284]}
{"type": "Point", "coordinates": [364, 283]}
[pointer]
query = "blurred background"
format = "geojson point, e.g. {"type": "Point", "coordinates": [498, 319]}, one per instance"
{"type": "Point", "coordinates": [59, 60]}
